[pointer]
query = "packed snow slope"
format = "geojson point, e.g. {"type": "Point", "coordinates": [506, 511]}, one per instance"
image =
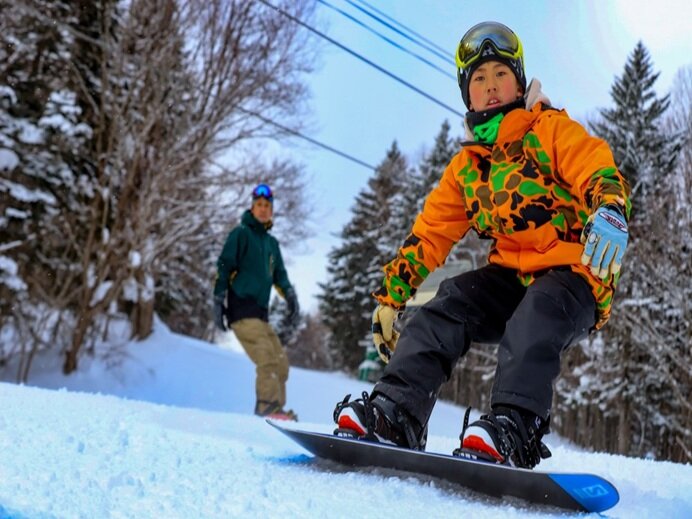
{"type": "Point", "coordinates": [166, 430]}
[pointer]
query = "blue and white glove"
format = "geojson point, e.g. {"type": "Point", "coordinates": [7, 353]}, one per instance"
{"type": "Point", "coordinates": [605, 239]}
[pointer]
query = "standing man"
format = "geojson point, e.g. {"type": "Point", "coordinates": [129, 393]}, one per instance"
{"type": "Point", "coordinates": [249, 264]}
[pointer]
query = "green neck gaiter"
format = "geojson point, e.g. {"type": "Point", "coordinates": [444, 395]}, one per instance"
{"type": "Point", "coordinates": [487, 132]}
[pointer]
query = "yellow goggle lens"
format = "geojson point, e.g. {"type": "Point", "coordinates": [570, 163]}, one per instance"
{"type": "Point", "coordinates": [503, 40]}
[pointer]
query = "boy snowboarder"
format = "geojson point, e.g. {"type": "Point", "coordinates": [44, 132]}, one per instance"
{"type": "Point", "coordinates": [552, 200]}
{"type": "Point", "coordinates": [249, 264]}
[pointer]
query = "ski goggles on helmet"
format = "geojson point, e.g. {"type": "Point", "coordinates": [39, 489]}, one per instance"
{"type": "Point", "coordinates": [473, 44]}
{"type": "Point", "coordinates": [263, 191]}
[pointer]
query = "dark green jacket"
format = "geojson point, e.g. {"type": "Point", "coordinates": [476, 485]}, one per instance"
{"type": "Point", "coordinates": [250, 263]}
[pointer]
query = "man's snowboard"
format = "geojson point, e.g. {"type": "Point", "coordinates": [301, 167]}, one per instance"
{"type": "Point", "coordinates": [581, 492]}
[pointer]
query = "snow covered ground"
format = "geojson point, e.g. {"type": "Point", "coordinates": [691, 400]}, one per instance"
{"type": "Point", "coordinates": [168, 432]}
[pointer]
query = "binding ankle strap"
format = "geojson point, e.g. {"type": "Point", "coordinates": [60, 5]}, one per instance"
{"type": "Point", "coordinates": [532, 448]}
{"type": "Point", "coordinates": [405, 422]}
{"type": "Point", "coordinates": [340, 406]}
{"type": "Point", "coordinates": [465, 424]}
{"type": "Point", "coordinates": [369, 415]}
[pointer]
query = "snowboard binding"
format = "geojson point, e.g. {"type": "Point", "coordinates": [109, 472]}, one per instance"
{"type": "Point", "coordinates": [503, 437]}
{"type": "Point", "coordinates": [378, 420]}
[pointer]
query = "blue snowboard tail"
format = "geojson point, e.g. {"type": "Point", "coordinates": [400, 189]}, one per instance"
{"type": "Point", "coordinates": [594, 493]}
{"type": "Point", "coordinates": [580, 492]}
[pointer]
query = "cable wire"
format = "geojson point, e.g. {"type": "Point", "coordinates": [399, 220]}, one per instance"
{"type": "Point", "coordinates": [362, 58]}
{"type": "Point", "coordinates": [309, 139]}
{"type": "Point", "coordinates": [385, 38]}
{"type": "Point", "coordinates": [430, 47]}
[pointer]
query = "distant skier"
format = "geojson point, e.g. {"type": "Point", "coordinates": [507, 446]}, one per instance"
{"type": "Point", "coordinates": [552, 201]}
{"type": "Point", "coordinates": [249, 264]}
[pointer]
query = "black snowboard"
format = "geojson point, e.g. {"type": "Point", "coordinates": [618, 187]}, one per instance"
{"type": "Point", "coordinates": [581, 492]}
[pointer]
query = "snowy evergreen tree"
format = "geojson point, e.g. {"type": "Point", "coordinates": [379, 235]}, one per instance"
{"type": "Point", "coordinates": [370, 240]}
{"type": "Point", "coordinates": [48, 92]}
{"type": "Point", "coordinates": [628, 383]}
{"type": "Point", "coordinates": [435, 162]}
{"type": "Point", "coordinates": [428, 174]}
{"type": "Point", "coordinates": [656, 315]}
{"type": "Point", "coordinates": [644, 153]}
{"type": "Point", "coordinates": [424, 178]}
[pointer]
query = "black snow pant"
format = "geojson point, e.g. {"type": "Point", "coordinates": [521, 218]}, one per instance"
{"type": "Point", "coordinates": [532, 326]}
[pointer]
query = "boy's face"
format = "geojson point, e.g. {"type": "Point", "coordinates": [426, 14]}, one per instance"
{"type": "Point", "coordinates": [493, 84]}
{"type": "Point", "coordinates": [262, 210]}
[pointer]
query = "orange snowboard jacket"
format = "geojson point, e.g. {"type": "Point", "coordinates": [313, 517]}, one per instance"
{"type": "Point", "coordinates": [531, 192]}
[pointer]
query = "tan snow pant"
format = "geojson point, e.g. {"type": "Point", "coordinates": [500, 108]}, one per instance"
{"type": "Point", "coordinates": [263, 346]}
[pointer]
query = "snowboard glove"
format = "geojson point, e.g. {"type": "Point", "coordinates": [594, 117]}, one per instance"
{"type": "Point", "coordinates": [220, 311]}
{"type": "Point", "coordinates": [293, 306]}
{"type": "Point", "coordinates": [384, 336]}
{"type": "Point", "coordinates": [605, 239]}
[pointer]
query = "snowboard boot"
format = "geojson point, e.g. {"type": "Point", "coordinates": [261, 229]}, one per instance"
{"type": "Point", "coordinates": [288, 415]}
{"type": "Point", "coordinates": [505, 436]}
{"type": "Point", "coordinates": [274, 411]}
{"type": "Point", "coordinates": [379, 420]}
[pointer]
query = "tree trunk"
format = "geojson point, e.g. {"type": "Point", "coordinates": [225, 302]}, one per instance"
{"type": "Point", "coordinates": [142, 314]}
{"type": "Point", "coordinates": [624, 429]}
{"type": "Point", "coordinates": [70, 364]}
{"type": "Point", "coordinates": [142, 319]}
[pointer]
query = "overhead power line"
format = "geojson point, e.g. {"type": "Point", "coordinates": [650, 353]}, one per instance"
{"type": "Point", "coordinates": [362, 58]}
{"type": "Point", "coordinates": [429, 45]}
{"type": "Point", "coordinates": [385, 38]}
{"type": "Point", "coordinates": [309, 139]}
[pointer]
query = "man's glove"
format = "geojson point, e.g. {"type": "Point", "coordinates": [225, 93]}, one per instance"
{"type": "Point", "coordinates": [604, 238]}
{"type": "Point", "coordinates": [219, 311]}
{"type": "Point", "coordinates": [293, 306]}
{"type": "Point", "coordinates": [384, 336]}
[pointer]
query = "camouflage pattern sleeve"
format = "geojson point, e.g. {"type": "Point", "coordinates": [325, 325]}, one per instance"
{"type": "Point", "coordinates": [437, 228]}
{"type": "Point", "coordinates": [403, 275]}
{"type": "Point", "coordinates": [585, 164]}
{"type": "Point", "coordinates": [608, 186]}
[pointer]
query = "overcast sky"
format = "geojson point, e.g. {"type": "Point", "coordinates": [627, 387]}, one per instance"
{"type": "Point", "coordinates": [576, 49]}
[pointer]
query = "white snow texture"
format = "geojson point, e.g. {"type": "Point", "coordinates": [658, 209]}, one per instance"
{"type": "Point", "coordinates": [170, 433]}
